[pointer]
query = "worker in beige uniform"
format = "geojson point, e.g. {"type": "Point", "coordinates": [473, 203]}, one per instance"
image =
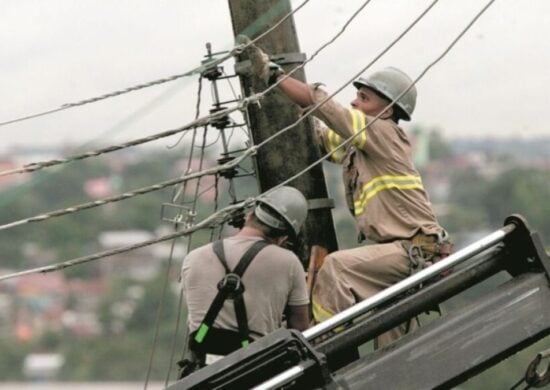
{"type": "Point", "coordinates": [384, 191]}
{"type": "Point", "coordinates": [238, 289]}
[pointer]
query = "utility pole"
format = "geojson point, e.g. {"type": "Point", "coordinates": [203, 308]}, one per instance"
{"type": "Point", "coordinates": [296, 149]}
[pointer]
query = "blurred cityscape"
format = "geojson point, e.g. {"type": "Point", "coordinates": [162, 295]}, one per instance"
{"type": "Point", "coordinates": [96, 321]}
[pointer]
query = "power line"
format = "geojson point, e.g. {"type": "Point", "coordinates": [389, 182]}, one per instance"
{"type": "Point", "coordinates": [175, 198]}
{"type": "Point", "coordinates": [189, 244]}
{"type": "Point", "coordinates": [40, 165]}
{"type": "Point", "coordinates": [134, 116]}
{"type": "Point", "coordinates": [205, 120]}
{"type": "Point", "coordinates": [131, 194]}
{"type": "Point", "coordinates": [321, 48]}
{"type": "Point", "coordinates": [350, 139]}
{"type": "Point", "coordinates": [198, 70]}
{"type": "Point", "coordinates": [215, 219]}
{"type": "Point", "coordinates": [209, 118]}
{"type": "Point", "coordinates": [196, 123]}
{"type": "Point", "coordinates": [223, 214]}
{"type": "Point", "coordinates": [384, 51]}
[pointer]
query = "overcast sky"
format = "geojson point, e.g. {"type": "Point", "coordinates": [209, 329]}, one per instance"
{"type": "Point", "coordinates": [493, 83]}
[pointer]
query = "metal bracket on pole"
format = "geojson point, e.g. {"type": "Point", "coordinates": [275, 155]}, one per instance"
{"type": "Point", "coordinates": [243, 68]}
{"type": "Point", "coordinates": [179, 214]}
{"type": "Point", "coordinates": [288, 58]}
{"type": "Point", "coordinates": [320, 203]}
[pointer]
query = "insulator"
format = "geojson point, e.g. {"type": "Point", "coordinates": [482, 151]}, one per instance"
{"type": "Point", "coordinates": [228, 173]}
{"type": "Point", "coordinates": [221, 122]}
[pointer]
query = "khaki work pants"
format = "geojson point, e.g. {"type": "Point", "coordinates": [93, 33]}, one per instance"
{"type": "Point", "coordinates": [350, 276]}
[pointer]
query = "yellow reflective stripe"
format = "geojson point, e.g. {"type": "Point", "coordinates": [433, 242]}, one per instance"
{"type": "Point", "coordinates": [359, 123]}
{"type": "Point", "coordinates": [333, 140]}
{"type": "Point", "coordinates": [380, 183]}
{"type": "Point", "coordinates": [319, 313]}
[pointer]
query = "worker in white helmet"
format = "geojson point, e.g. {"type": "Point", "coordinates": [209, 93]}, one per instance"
{"type": "Point", "coordinates": [251, 269]}
{"type": "Point", "coordinates": [384, 191]}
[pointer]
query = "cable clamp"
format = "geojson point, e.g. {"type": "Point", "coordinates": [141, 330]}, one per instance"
{"type": "Point", "coordinates": [243, 68]}
{"type": "Point", "coordinates": [177, 214]}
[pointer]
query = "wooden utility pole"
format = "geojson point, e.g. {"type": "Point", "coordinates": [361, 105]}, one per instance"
{"type": "Point", "coordinates": [296, 149]}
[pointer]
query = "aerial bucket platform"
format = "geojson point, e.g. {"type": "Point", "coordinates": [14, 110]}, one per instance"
{"type": "Point", "coordinates": [443, 353]}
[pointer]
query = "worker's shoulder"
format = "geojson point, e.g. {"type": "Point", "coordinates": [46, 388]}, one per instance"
{"type": "Point", "coordinates": [273, 249]}
{"type": "Point", "coordinates": [199, 252]}
{"type": "Point", "coordinates": [280, 258]}
{"type": "Point", "coordinates": [385, 128]}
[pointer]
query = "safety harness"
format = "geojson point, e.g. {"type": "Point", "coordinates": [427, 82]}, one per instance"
{"type": "Point", "coordinates": [425, 250]}
{"type": "Point", "coordinates": [207, 339]}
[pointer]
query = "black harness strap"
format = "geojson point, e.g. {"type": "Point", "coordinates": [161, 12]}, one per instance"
{"type": "Point", "coordinates": [230, 287]}
{"type": "Point", "coordinates": [217, 246]}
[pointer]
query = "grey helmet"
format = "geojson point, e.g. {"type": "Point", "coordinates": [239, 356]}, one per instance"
{"type": "Point", "coordinates": [288, 203]}
{"type": "Point", "coordinates": [391, 82]}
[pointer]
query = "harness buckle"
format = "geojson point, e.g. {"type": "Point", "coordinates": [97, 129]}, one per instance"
{"type": "Point", "coordinates": [231, 283]}
{"type": "Point", "coordinates": [442, 237]}
{"type": "Point", "coordinates": [419, 258]}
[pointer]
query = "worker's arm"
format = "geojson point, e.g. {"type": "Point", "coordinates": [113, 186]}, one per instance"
{"type": "Point", "coordinates": [298, 317]}
{"type": "Point", "coordinates": [270, 72]}
{"type": "Point", "coordinates": [340, 120]}
{"type": "Point", "coordinates": [296, 90]}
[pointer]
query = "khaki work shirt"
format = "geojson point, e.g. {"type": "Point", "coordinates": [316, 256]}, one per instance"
{"type": "Point", "coordinates": [273, 280]}
{"type": "Point", "coordinates": [384, 191]}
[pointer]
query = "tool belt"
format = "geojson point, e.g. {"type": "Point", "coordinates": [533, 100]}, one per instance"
{"type": "Point", "coordinates": [425, 250]}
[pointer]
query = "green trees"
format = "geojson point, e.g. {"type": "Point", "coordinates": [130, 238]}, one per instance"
{"type": "Point", "coordinates": [480, 194]}
{"type": "Point", "coordinates": [521, 190]}
{"type": "Point", "coordinates": [128, 313]}
{"type": "Point", "coordinates": [481, 202]}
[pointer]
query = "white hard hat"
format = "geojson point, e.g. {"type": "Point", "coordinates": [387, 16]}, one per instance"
{"type": "Point", "coordinates": [391, 82]}
{"type": "Point", "coordinates": [286, 202]}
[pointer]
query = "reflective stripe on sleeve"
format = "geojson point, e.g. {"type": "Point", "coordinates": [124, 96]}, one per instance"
{"type": "Point", "coordinates": [359, 123]}
{"type": "Point", "coordinates": [386, 182]}
{"type": "Point", "coordinates": [333, 140]}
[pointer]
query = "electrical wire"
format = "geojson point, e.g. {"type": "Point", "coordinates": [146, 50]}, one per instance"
{"type": "Point", "coordinates": [134, 116]}
{"type": "Point", "coordinates": [224, 214]}
{"type": "Point", "coordinates": [198, 70]}
{"type": "Point", "coordinates": [189, 244]}
{"type": "Point", "coordinates": [195, 123]}
{"type": "Point", "coordinates": [321, 48]}
{"type": "Point", "coordinates": [197, 110]}
{"type": "Point", "coordinates": [232, 163]}
{"type": "Point", "coordinates": [175, 198]}
{"type": "Point", "coordinates": [236, 98]}
{"type": "Point", "coordinates": [208, 119]}
{"type": "Point", "coordinates": [433, 63]}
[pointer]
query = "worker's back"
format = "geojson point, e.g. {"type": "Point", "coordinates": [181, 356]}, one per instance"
{"type": "Point", "coordinates": [271, 281]}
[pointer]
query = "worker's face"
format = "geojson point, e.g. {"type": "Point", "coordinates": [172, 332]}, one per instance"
{"type": "Point", "coordinates": [370, 103]}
